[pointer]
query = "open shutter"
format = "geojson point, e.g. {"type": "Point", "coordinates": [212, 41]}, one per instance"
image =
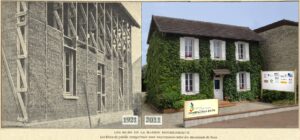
{"type": "Point", "coordinates": [237, 82]}
{"type": "Point", "coordinates": [182, 83]}
{"type": "Point", "coordinates": [247, 51]}
{"type": "Point", "coordinates": [236, 51]}
{"type": "Point", "coordinates": [182, 48]}
{"type": "Point", "coordinates": [196, 48]}
{"type": "Point", "coordinates": [248, 81]}
{"type": "Point", "coordinates": [223, 50]}
{"type": "Point", "coordinates": [196, 82]}
{"type": "Point", "coordinates": [211, 46]}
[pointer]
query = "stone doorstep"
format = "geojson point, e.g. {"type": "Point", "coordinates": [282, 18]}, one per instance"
{"type": "Point", "coordinates": [224, 117]}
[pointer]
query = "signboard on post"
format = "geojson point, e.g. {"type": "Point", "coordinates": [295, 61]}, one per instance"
{"type": "Point", "coordinates": [199, 108]}
{"type": "Point", "coordinates": [278, 80]}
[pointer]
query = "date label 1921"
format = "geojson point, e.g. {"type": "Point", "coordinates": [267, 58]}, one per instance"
{"type": "Point", "coordinates": [130, 120]}
{"type": "Point", "coordinates": [153, 120]}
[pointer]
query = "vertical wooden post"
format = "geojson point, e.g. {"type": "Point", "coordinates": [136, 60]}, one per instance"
{"type": "Point", "coordinates": [295, 85]}
{"type": "Point", "coordinates": [261, 87]}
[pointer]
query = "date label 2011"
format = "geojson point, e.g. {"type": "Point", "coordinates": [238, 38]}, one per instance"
{"type": "Point", "coordinates": [153, 120]}
{"type": "Point", "coordinates": [130, 120]}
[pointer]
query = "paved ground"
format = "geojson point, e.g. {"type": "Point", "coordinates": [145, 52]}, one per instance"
{"type": "Point", "coordinates": [175, 120]}
{"type": "Point", "coordinates": [288, 119]}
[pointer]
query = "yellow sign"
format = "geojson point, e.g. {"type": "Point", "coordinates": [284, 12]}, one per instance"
{"type": "Point", "coordinates": [199, 108]}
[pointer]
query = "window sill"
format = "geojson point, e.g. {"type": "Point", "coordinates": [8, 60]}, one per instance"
{"type": "Point", "coordinates": [189, 93]}
{"type": "Point", "coordinates": [219, 59]}
{"type": "Point", "coordinates": [188, 59]}
{"type": "Point", "coordinates": [70, 97]}
{"type": "Point", "coordinates": [244, 90]}
{"type": "Point", "coordinates": [240, 60]}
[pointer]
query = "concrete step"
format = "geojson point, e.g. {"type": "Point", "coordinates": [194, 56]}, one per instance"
{"type": "Point", "coordinates": [225, 104]}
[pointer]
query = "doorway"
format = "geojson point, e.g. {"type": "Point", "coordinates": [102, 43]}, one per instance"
{"type": "Point", "coordinates": [218, 87]}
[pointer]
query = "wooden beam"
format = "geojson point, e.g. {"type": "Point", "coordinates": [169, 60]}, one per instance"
{"type": "Point", "coordinates": [72, 27]}
{"type": "Point", "coordinates": [59, 22]}
{"type": "Point", "coordinates": [83, 12]}
{"type": "Point", "coordinates": [23, 3]}
{"type": "Point", "coordinates": [93, 39]}
{"type": "Point", "coordinates": [22, 73]}
{"type": "Point", "coordinates": [93, 20]}
{"type": "Point", "coordinates": [22, 42]}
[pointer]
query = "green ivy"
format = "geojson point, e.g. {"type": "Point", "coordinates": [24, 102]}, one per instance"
{"type": "Point", "coordinates": [164, 68]}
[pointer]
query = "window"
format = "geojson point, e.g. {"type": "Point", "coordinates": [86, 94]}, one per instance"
{"type": "Point", "coordinates": [189, 48]}
{"type": "Point", "coordinates": [69, 72]}
{"type": "Point", "coordinates": [217, 50]}
{"type": "Point", "coordinates": [121, 82]}
{"type": "Point", "coordinates": [242, 51]}
{"type": "Point", "coordinates": [189, 83]}
{"type": "Point", "coordinates": [189, 43]}
{"type": "Point", "coordinates": [100, 87]}
{"type": "Point", "coordinates": [243, 81]}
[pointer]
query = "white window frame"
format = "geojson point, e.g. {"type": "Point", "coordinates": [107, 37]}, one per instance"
{"type": "Point", "coordinates": [189, 45]}
{"type": "Point", "coordinates": [101, 94]}
{"type": "Point", "coordinates": [245, 51]}
{"type": "Point", "coordinates": [190, 83]}
{"type": "Point", "coordinates": [244, 81]}
{"type": "Point", "coordinates": [121, 81]}
{"type": "Point", "coordinates": [221, 49]}
{"type": "Point", "coordinates": [71, 94]}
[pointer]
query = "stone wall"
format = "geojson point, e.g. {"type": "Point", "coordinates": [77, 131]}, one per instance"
{"type": "Point", "coordinates": [280, 48]}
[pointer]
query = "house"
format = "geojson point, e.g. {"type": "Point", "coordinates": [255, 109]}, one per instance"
{"type": "Point", "coordinates": [189, 59]}
{"type": "Point", "coordinates": [66, 63]}
{"type": "Point", "coordinates": [280, 45]}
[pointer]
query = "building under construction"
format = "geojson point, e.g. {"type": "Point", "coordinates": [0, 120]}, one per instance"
{"type": "Point", "coordinates": [67, 63]}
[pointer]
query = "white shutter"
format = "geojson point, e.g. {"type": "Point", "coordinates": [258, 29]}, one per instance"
{"type": "Point", "coordinates": [223, 50]}
{"type": "Point", "coordinates": [247, 51]}
{"type": "Point", "coordinates": [182, 83]}
{"type": "Point", "coordinates": [248, 81]}
{"type": "Point", "coordinates": [182, 48]}
{"type": "Point", "coordinates": [196, 48]}
{"type": "Point", "coordinates": [211, 42]}
{"type": "Point", "coordinates": [196, 82]}
{"type": "Point", "coordinates": [237, 82]}
{"type": "Point", "coordinates": [236, 51]}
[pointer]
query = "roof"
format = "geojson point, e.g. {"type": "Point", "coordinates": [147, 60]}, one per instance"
{"type": "Point", "coordinates": [275, 25]}
{"type": "Point", "coordinates": [127, 14]}
{"type": "Point", "coordinates": [201, 28]}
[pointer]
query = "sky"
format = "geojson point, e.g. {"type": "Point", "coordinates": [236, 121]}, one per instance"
{"type": "Point", "coordinates": [249, 14]}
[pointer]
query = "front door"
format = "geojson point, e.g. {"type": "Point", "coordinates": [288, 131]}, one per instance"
{"type": "Point", "coordinates": [218, 87]}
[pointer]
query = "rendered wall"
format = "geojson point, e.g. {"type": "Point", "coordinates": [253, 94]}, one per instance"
{"type": "Point", "coordinates": [280, 48]}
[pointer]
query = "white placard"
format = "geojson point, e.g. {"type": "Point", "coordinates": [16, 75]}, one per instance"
{"type": "Point", "coordinates": [199, 108]}
{"type": "Point", "coordinates": [278, 80]}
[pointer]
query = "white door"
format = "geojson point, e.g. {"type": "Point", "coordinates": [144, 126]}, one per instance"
{"type": "Point", "coordinates": [218, 87]}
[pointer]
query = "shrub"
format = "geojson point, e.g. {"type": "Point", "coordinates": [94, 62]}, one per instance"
{"type": "Point", "coordinates": [164, 68]}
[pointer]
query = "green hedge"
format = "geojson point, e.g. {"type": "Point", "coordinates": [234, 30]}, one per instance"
{"type": "Point", "coordinates": [271, 96]}
{"type": "Point", "coordinates": [164, 68]}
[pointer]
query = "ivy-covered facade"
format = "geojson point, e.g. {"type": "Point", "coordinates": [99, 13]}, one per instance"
{"type": "Point", "coordinates": [191, 66]}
